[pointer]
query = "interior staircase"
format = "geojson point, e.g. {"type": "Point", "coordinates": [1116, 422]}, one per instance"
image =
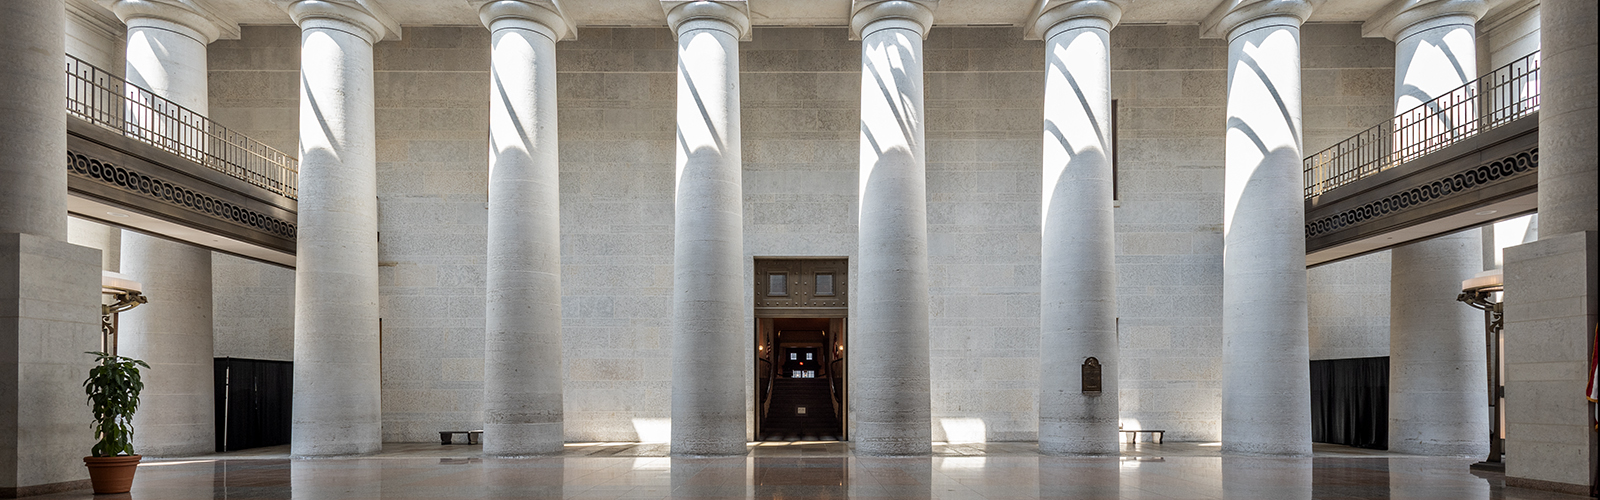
{"type": "Point", "coordinates": [784, 422]}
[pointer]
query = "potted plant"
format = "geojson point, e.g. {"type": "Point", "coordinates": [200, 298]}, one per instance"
{"type": "Point", "coordinates": [113, 387]}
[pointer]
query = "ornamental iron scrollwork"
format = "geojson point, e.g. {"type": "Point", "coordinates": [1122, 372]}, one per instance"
{"type": "Point", "coordinates": [173, 194]}
{"type": "Point", "coordinates": [1515, 165]}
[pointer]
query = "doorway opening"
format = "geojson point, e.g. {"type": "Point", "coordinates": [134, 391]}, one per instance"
{"type": "Point", "coordinates": [800, 311]}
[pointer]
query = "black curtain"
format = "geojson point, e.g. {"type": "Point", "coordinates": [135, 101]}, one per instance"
{"type": "Point", "coordinates": [253, 402]}
{"type": "Point", "coordinates": [1350, 402]}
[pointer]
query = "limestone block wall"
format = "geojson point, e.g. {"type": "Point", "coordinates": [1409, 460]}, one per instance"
{"type": "Point", "coordinates": [1349, 305]}
{"type": "Point", "coordinates": [252, 309]}
{"type": "Point", "coordinates": [1509, 35]}
{"type": "Point", "coordinates": [252, 84]}
{"type": "Point", "coordinates": [48, 323]}
{"type": "Point", "coordinates": [985, 89]}
{"type": "Point", "coordinates": [432, 112]}
{"type": "Point", "coordinates": [616, 90]}
{"type": "Point", "coordinates": [1171, 94]}
{"type": "Point", "coordinates": [96, 38]}
{"type": "Point", "coordinates": [1548, 320]}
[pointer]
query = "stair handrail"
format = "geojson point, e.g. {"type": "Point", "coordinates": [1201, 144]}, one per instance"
{"type": "Point", "coordinates": [833, 393]}
{"type": "Point", "coordinates": [772, 376]}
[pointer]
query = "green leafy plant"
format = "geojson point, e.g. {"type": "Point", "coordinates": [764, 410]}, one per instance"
{"type": "Point", "coordinates": [113, 387]}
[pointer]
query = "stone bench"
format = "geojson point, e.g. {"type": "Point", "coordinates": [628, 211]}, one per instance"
{"type": "Point", "coordinates": [1133, 435]}
{"type": "Point", "coordinates": [448, 437]}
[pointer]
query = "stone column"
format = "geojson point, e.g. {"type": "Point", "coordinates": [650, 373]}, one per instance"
{"type": "Point", "coordinates": [1078, 282]}
{"type": "Point", "coordinates": [1567, 128]}
{"type": "Point", "coordinates": [167, 56]}
{"type": "Point", "coordinates": [1552, 298]}
{"type": "Point", "coordinates": [49, 289]}
{"type": "Point", "coordinates": [889, 385]}
{"type": "Point", "coordinates": [173, 334]}
{"type": "Point", "coordinates": [522, 350]}
{"type": "Point", "coordinates": [166, 51]}
{"type": "Point", "coordinates": [1437, 368]}
{"type": "Point", "coordinates": [709, 288]}
{"type": "Point", "coordinates": [1437, 403]}
{"type": "Point", "coordinates": [1266, 387]}
{"type": "Point", "coordinates": [337, 407]}
{"type": "Point", "coordinates": [35, 124]}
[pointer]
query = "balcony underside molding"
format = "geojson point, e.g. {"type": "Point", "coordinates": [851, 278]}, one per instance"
{"type": "Point", "coordinates": [168, 196]}
{"type": "Point", "coordinates": [1490, 177]}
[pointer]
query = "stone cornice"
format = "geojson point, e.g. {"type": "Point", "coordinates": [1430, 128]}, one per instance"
{"type": "Point", "coordinates": [1232, 14]}
{"type": "Point", "coordinates": [684, 14]}
{"type": "Point", "coordinates": [1393, 19]}
{"type": "Point", "coordinates": [187, 13]}
{"type": "Point", "coordinates": [546, 13]}
{"type": "Point", "coordinates": [96, 17]}
{"type": "Point", "coordinates": [1502, 13]}
{"type": "Point", "coordinates": [364, 14]}
{"type": "Point", "coordinates": [1052, 12]}
{"type": "Point", "coordinates": [914, 13]}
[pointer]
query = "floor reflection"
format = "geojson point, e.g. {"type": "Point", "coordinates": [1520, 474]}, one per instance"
{"type": "Point", "coordinates": [820, 471]}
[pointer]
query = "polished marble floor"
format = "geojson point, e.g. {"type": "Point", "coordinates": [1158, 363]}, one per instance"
{"type": "Point", "coordinates": [815, 470]}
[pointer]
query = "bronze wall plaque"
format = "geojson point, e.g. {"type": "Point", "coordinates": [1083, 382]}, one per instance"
{"type": "Point", "coordinates": [1091, 376]}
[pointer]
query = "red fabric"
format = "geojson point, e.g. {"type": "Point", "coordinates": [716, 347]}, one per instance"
{"type": "Point", "coordinates": [1594, 377]}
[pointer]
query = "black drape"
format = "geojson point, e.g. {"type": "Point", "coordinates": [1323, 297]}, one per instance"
{"type": "Point", "coordinates": [253, 402]}
{"type": "Point", "coordinates": [1350, 402]}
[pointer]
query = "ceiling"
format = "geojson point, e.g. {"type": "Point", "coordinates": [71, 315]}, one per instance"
{"type": "Point", "coordinates": [786, 12]}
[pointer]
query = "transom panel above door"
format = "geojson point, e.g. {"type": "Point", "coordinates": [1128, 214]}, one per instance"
{"type": "Point", "coordinates": [784, 286]}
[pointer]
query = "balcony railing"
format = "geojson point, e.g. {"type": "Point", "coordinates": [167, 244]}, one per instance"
{"type": "Point", "coordinates": [107, 100]}
{"type": "Point", "coordinates": [1496, 99]}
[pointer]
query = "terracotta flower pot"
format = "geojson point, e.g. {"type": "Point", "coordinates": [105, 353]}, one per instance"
{"type": "Point", "coordinates": [112, 474]}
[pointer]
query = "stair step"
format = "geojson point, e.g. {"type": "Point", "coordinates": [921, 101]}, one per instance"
{"type": "Point", "coordinates": [782, 421]}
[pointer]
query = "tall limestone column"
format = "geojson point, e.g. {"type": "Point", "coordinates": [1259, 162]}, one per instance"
{"type": "Point", "coordinates": [337, 408]}
{"type": "Point", "coordinates": [1266, 386]}
{"type": "Point", "coordinates": [1078, 310]}
{"type": "Point", "coordinates": [167, 56]}
{"type": "Point", "coordinates": [708, 287]}
{"type": "Point", "coordinates": [522, 351]}
{"type": "Point", "coordinates": [889, 386]}
{"type": "Point", "coordinates": [1567, 129]}
{"type": "Point", "coordinates": [35, 124]}
{"type": "Point", "coordinates": [1436, 351]}
{"type": "Point", "coordinates": [49, 289]}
